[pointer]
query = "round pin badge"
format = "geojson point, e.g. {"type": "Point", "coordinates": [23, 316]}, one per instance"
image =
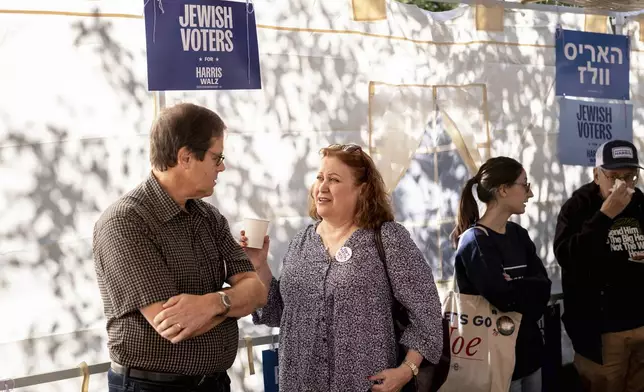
{"type": "Point", "coordinates": [505, 325]}
{"type": "Point", "coordinates": [343, 254]}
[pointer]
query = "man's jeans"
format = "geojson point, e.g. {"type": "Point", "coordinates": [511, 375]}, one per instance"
{"type": "Point", "coordinates": [120, 383]}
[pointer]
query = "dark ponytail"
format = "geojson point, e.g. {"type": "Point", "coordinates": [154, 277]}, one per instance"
{"type": "Point", "coordinates": [493, 174]}
{"type": "Point", "coordinates": [468, 210]}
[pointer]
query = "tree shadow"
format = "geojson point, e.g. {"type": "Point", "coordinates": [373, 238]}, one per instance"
{"type": "Point", "coordinates": [85, 145]}
{"type": "Point", "coordinates": [65, 163]}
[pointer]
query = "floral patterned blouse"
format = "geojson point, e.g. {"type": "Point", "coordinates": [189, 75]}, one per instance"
{"type": "Point", "coordinates": [335, 318]}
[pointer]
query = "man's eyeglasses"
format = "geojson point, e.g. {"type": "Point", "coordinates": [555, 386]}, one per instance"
{"type": "Point", "coordinates": [629, 178]}
{"type": "Point", "coordinates": [217, 159]}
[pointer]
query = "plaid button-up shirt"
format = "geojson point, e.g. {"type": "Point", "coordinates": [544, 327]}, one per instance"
{"type": "Point", "coordinates": [146, 250]}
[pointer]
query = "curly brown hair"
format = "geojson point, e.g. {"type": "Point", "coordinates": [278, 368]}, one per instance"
{"type": "Point", "coordinates": [374, 204]}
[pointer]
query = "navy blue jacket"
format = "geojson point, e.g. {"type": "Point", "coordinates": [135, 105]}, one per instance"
{"type": "Point", "coordinates": [482, 259]}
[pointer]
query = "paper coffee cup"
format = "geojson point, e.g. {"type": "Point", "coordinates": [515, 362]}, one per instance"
{"type": "Point", "coordinates": [255, 231]}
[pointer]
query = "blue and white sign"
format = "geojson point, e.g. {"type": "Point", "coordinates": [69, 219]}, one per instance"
{"type": "Point", "coordinates": [201, 45]}
{"type": "Point", "coordinates": [271, 370]}
{"type": "Point", "coordinates": [592, 65]}
{"type": "Point", "coordinates": [584, 126]}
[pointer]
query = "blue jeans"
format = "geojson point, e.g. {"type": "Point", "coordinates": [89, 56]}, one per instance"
{"type": "Point", "coordinates": [531, 383]}
{"type": "Point", "coordinates": [119, 383]}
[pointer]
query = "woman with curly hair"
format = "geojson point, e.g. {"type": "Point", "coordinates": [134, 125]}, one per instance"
{"type": "Point", "coordinates": [333, 302]}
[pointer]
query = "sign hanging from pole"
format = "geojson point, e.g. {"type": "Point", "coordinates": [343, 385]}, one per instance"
{"type": "Point", "coordinates": [584, 126]}
{"type": "Point", "coordinates": [592, 65]}
{"type": "Point", "coordinates": [201, 45]}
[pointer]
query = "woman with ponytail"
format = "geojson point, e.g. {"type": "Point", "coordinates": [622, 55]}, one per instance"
{"type": "Point", "coordinates": [499, 261]}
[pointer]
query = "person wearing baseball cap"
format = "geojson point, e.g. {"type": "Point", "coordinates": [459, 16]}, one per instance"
{"type": "Point", "coordinates": [599, 244]}
{"type": "Point", "coordinates": [617, 154]}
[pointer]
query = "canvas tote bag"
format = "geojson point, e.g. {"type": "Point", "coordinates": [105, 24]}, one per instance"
{"type": "Point", "coordinates": [482, 341]}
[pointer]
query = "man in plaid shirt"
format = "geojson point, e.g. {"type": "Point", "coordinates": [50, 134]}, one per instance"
{"type": "Point", "coordinates": [162, 256]}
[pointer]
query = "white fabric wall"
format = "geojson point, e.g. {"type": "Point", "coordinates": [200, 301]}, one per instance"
{"type": "Point", "coordinates": [75, 113]}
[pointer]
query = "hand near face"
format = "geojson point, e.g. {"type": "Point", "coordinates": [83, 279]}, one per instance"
{"type": "Point", "coordinates": [617, 201]}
